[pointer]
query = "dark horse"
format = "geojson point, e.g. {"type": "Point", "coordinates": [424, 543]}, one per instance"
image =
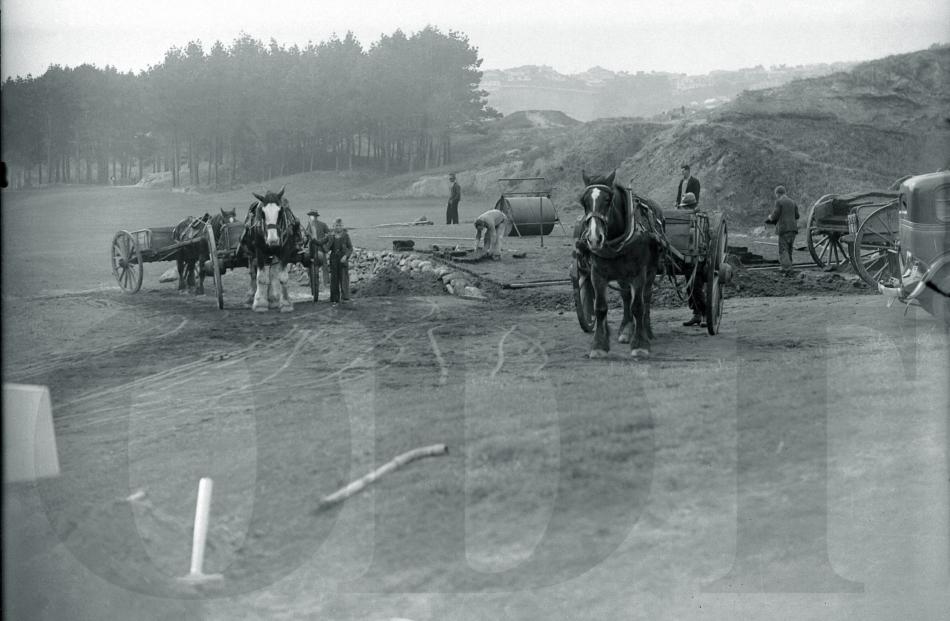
{"type": "Point", "coordinates": [622, 240]}
{"type": "Point", "coordinates": [271, 239]}
{"type": "Point", "coordinates": [195, 255]}
{"type": "Point", "coordinates": [189, 229]}
{"type": "Point", "coordinates": [217, 222]}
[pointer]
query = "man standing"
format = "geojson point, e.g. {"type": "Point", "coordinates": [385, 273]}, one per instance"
{"type": "Point", "coordinates": [785, 218]}
{"type": "Point", "coordinates": [687, 184]}
{"type": "Point", "coordinates": [696, 286]}
{"type": "Point", "coordinates": [339, 248]}
{"type": "Point", "coordinates": [319, 233]}
{"type": "Point", "coordinates": [455, 196]}
{"type": "Point", "coordinates": [496, 225]}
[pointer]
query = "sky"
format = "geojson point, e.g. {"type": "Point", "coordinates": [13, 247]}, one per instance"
{"type": "Point", "coordinates": [682, 36]}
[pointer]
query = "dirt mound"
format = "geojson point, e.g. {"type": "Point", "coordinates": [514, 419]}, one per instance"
{"type": "Point", "coordinates": [392, 281]}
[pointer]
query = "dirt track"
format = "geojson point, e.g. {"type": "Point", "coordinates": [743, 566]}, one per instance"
{"type": "Point", "coordinates": [796, 462]}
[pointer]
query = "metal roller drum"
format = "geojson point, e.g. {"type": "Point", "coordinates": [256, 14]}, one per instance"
{"type": "Point", "coordinates": [532, 215]}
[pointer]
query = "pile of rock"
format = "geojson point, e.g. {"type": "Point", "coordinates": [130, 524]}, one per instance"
{"type": "Point", "coordinates": [384, 272]}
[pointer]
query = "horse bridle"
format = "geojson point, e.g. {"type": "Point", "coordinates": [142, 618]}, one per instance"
{"type": "Point", "coordinates": [262, 225]}
{"type": "Point", "coordinates": [592, 214]}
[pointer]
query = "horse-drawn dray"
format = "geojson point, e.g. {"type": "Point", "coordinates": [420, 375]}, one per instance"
{"type": "Point", "coordinates": [689, 246]}
{"type": "Point", "coordinates": [857, 229]}
{"type": "Point", "coordinates": [195, 241]}
{"type": "Point", "coordinates": [130, 250]}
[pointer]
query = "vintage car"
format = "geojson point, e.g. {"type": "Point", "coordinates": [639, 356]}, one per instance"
{"type": "Point", "coordinates": [923, 245]}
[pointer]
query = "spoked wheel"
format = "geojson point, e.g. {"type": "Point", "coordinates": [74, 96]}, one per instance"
{"type": "Point", "coordinates": [126, 259]}
{"type": "Point", "coordinates": [876, 254]}
{"type": "Point", "coordinates": [825, 247]}
{"type": "Point", "coordinates": [583, 298]}
{"type": "Point", "coordinates": [215, 267]}
{"type": "Point", "coordinates": [714, 259]}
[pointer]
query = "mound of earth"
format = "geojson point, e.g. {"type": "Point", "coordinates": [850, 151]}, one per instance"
{"type": "Point", "coordinates": [392, 281]}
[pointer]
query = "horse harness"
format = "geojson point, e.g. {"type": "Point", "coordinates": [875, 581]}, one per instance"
{"type": "Point", "coordinates": [641, 218]}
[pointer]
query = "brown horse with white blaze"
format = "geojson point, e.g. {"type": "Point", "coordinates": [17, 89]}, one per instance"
{"type": "Point", "coordinates": [621, 239]}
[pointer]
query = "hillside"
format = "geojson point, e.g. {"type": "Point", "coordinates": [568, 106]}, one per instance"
{"type": "Point", "coordinates": [842, 132]}
{"type": "Point", "coordinates": [846, 131]}
{"type": "Point", "coordinates": [600, 93]}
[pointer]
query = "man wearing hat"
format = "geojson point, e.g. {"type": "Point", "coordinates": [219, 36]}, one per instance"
{"type": "Point", "coordinates": [317, 231]}
{"type": "Point", "coordinates": [696, 286]}
{"type": "Point", "coordinates": [688, 183]}
{"type": "Point", "coordinates": [340, 248]}
{"type": "Point", "coordinates": [455, 196]}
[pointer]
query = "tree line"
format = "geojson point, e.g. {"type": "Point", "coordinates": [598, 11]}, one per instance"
{"type": "Point", "coordinates": [247, 112]}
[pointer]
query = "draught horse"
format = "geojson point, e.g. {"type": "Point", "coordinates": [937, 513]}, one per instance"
{"type": "Point", "coordinates": [622, 239]}
{"type": "Point", "coordinates": [271, 239]}
{"type": "Point", "coordinates": [196, 255]}
{"type": "Point", "coordinates": [187, 256]}
{"type": "Point", "coordinates": [217, 222]}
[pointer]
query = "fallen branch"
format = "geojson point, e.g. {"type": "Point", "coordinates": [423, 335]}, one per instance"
{"type": "Point", "coordinates": [359, 484]}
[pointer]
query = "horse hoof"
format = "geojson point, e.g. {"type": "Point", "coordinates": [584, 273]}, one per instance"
{"type": "Point", "coordinates": [259, 309]}
{"type": "Point", "coordinates": [287, 309]}
{"type": "Point", "coordinates": [598, 353]}
{"type": "Point", "coordinates": [640, 353]}
{"type": "Point", "coordinates": [623, 338]}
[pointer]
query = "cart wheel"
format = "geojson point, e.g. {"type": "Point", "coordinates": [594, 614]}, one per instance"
{"type": "Point", "coordinates": [825, 247]}
{"type": "Point", "coordinates": [715, 258]}
{"type": "Point", "coordinates": [215, 266]}
{"type": "Point", "coordinates": [583, 299]}
{"type": "Point", "coordinates": [876, 255]}
{"type": "Point", "coordinates": [126, 259]}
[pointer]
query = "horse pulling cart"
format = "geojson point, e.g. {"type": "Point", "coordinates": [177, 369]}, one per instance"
{"type": "Point", "coordinates": [694, 243]}
{"type": "Point", "coordinates": [130, 250]}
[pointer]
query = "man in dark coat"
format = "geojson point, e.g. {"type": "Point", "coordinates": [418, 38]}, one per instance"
{"type": "Point", "coordinates": [785, 218]}
{"type": "Point", "coordinates": [318, 233]}
{"type": "Point", "coordinates": [455, 196]}
{"type": "Point", "coordinates": [688, 183]}
{"type": "Point", "coordinates": [339, 248]}
{"type": "Point", "coordinates": [696, 286]}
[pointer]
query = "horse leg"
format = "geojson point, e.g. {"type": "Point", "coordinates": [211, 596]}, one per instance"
{"type": "Point", "coordinates": [286, 306]}
{"type": "Point", "coordinates": [626, 326]}
{"type": "Point", "coordinates": [601, 330]}
{"type": "Point", "coordinates": [180, 263]}
{"type": "Point", "coordinates": [252, 287]}
{"type": "Point", "coordinates": [648, 301]}
{"type": "Point", "coordinates": [273, 288]}
{"type": "Point", "coordinates": [190, 269]}
{"type": "Point", "coordinates": [640, 348]}
{"type": "Point", "coordinates": [200, 289]}
{"type": "Point", "coordinates": [263, 282]}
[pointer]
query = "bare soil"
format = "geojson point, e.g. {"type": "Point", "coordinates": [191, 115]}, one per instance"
{"type": "Point", "coordinates": [797, 461]}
